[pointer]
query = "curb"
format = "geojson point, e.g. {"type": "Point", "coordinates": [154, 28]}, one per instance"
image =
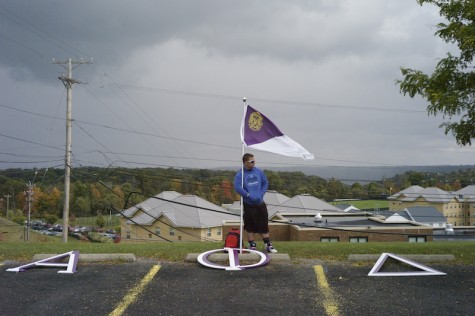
{"type": "Point", "coordinates": [222, 257]}
{"type": "Point", "coordinates": [413, 257]}
{"type": "Point", "coordinates": [94, 257]}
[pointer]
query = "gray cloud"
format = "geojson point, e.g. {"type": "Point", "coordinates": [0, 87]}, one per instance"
{"type": "Point", "coordinates": [167, 80]}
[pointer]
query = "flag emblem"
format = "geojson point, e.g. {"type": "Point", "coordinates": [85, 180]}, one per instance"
{"type": "Point", "coordinates": [255, 121]}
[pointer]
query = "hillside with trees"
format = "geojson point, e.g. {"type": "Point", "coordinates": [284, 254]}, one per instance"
{"type": "Point", "coordinates": [101, 190]}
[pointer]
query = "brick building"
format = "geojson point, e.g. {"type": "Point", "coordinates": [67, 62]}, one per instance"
{"type": "Point", "coordinates": [343, 227]}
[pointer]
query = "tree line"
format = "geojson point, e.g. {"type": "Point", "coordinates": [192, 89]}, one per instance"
{"type": "Point", "coordinates": [95, 191]}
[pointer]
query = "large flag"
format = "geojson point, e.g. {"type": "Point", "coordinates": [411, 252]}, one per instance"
{"type": "Point", "coordinates": [258, 132]}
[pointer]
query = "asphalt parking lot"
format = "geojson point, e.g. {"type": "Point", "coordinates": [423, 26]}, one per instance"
{"type": "Point", "coordinates": [298, 288]}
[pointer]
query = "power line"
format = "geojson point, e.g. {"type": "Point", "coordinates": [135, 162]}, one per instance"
{"type": "Point", "coordinates": [193, 141]}
{"type": "Point", "coordinates": [30, 142]}
{"type": "Point", "coordinates": [286, 102]}
{"type": "Point", "coordinates": [144, 117]}
{"type": "Point", "coordinates": [27, 156]}
{"type": "Point", "coordinates": [30, 27]}
{"type": "Point", "coordinates": [22, 45]}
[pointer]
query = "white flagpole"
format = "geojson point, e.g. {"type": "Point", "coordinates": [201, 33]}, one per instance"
{"type": "Point", "coordinates": [242, 205]}
{"type": "Point", "coordinates": [242, 179]}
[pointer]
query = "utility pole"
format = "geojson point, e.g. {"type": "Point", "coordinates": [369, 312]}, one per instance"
{"type": "Point", "coordinates": [29, 199]}
{"type": "Point", "coordinates": [68, 82]}
{"type": "Point", "coordinates": [8, 196]}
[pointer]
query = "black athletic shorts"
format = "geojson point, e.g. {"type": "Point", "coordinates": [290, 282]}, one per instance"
{"type": "Point", "coordinates": [256, 218]}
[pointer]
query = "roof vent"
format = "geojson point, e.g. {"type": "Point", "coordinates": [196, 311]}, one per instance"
{"type": "Point", "coordinates": [317, 218]}
{"type": "Point", "coordinates": [449, 230]}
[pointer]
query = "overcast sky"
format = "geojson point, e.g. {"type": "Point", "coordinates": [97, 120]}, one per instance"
{"type": "Point", "coordinates": [167, 80]}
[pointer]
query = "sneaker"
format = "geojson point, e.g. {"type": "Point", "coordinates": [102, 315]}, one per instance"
{"type": "Point", "coordinates": [252, 246]}
{"type": "Point", "coordinates": [270, 249]}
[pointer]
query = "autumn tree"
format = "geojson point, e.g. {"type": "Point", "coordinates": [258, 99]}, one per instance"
{"type": "Point", "coordinates": [228, 192]}
{"type": "Point", "coordinates": [450, 89]}
{"type": "Point", "coordinates": [47, 202]}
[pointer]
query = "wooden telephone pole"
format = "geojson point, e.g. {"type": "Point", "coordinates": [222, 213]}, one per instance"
{"type": "Point", "coordinates": [68, 82]}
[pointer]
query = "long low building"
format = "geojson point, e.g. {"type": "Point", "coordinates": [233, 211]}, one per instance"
{"type": "Point", "coordinates": [307, 218]}
{"type": "Point", "coordinates": [343, 227]}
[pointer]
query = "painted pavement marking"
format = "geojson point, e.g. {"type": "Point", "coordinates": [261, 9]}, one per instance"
{"type": "Point", "coordinates": [329, 302]}
{"type": "Point", "coordinates": [131, 297]}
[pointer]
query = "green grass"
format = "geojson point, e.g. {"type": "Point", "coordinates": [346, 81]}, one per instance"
{"type": "Point", "coordinates": [365, 204]}
{"type": "Point", "coordinates": [12, 232]}
{"type": "Point", "coordinates": [464, 252]}
{"type": "Point", "coordinates": [111, 221]}
{"type": "Point", "coordinates": [13, 247]}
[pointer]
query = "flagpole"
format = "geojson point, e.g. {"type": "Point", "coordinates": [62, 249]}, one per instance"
{"type": "Point", "coordinates": [242, 185]}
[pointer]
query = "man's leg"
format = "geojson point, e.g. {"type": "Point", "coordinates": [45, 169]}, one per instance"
{"type": "Point", "coordinates": [267, 243]}
{"type": "Point", "coordinates": [250, 239]}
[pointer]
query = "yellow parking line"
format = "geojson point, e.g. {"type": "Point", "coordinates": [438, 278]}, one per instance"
{"type": "Point", "coordinates": [131, 297]}
{"type": "Point", "coordinates": [329, 302]}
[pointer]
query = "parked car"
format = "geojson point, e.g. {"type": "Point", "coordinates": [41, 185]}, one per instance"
{"type": "Point", "coordinates": [85, 229]}
{"type": "Point", "coordinates": [57, 228]}
{"type": "Point", "coordinates": [112, 236]}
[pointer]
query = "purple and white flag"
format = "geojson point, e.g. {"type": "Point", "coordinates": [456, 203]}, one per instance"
{"type": "Point", "coordinates": [258, 132]}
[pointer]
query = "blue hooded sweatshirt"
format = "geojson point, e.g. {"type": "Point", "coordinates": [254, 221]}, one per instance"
{"type": "Point", "coordinates": [255, 185]}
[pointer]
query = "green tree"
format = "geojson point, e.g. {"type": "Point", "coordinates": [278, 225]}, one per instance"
{"type": "Point", "coordinates": [100, 221]}
{"type": "Point", "coordinates": [375, 190]}
{"type": "Point", "coordinates": [18, 217]}
{"type": "Point", "coordinates": [81, 206]}
{"type": "Point", "coordinates": [336, 189]}
{"type": "Point", "coordinates": [358, 192]}
{"type": "Point", "coordinates": [275, 181]}
{"type": "Point", "coordinates": [50, 219]}
{"type": "Point", "coordinates": [450, 89]}
{"type": "Point", "coordinates": [416, 178]}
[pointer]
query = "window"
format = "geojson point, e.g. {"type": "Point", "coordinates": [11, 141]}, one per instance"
{"type": "Point", "coordinates": [150, 236]}
{"type": "Point", "coordinates": [157, 231]}
{"type": "Point", "coordinates": [208, 232]}
{"type": "Point", "coordinates": [358, 239]}
{"type": "Point", "coordinates": [172, 231]}
{"type": "Point", "coordinates": [128, 235]}
{"type": "Point", "coordinates": [218, 232]}
{"type": "Point", "coordinates": [329, 239]}
{"type": "Point", "coordinates": [417, 238]}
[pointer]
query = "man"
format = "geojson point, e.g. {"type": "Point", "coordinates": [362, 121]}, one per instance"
{"type": "Point", "coordinates": [252, 190]}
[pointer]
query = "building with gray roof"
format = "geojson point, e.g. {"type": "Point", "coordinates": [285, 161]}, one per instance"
{"type": "Point", "coordinates": [302, 204]}
{"type": "Point", "coordinates": [426, 215]}
{"type": "Point", "coordinates": [457, 207]}
{"type": "Point", "coordinates": [173, 216]}
{"type": "Point", "coordinates": [347, 208]}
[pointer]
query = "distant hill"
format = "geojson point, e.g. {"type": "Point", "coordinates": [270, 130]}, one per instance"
{"type": "Point", "coordinates": [368, 174]}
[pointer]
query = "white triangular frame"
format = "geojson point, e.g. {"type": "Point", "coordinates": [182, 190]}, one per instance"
{"type": "Point", "coordinates": [382, 259]}
{"type": "Point", "coordinates": [50, 262]}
